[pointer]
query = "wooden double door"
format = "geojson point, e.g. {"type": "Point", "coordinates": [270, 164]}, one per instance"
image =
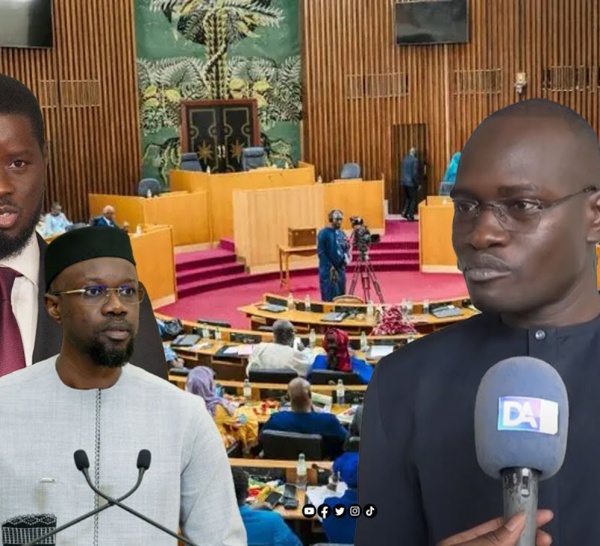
{"type": "Point", "coordinates": [218, 131]}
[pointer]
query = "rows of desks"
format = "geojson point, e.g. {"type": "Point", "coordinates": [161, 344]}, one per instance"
{"type": "Point", "coordinates": [423, 322]}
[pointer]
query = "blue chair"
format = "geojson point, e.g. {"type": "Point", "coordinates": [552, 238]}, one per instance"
{"type": "Point", "coordinates": [253, 158]}
{"type": "Point", "coordinates": [189, 162]}
{"type": "Point", "coordinates": [350, 170]}
{"type": "Point", "coordinates": [148, 185]}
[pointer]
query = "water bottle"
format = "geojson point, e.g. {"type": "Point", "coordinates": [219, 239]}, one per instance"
{"type": "Point", "coordinates": [247, 390]}
{"type": "Point", "coordinates": [364, 343]}
{"type": "Point", "coordinates": [301, 472]}
{"type": "Point", "coordinates": [138, 229]}
{"type": "Point", "coordinates": [208, 169]}
{"type": "Point", "coordinates": [205, 332]}
{"type": "Point", "coordinates": [312, 339]}
{"type": "Point", "coordinates": [290, 302]}
{"type": "Point", "coordinates": [149, 193]}
{"type": "Point", "coordinates": [410, 339]}
{"type": "Point", "coordinates": [425, 306]}
{"type": "Point", "coordinates": [218, 334]}
{"type": "Point", "coordinates": [341, 393]}
{"type": "Point", "coordinates": [219, 390]}
{"type": "Point", "coordinates": [403, 306]}
{"type": "Point", "coordinates": [307, 303]}
{"type": "Point", "coordinates": [319, 179]}
{"type": "Point", "coordinates": [370, 309]}
{"type": "Point", "coordinates": [409, 307]}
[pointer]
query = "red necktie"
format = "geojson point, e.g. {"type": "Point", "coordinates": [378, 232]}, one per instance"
{"type": "Point", "coordinates": [12, 355]}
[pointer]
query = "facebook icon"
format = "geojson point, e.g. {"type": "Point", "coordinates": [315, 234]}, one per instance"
{"type": "Point", "coordinates": [528, 414]}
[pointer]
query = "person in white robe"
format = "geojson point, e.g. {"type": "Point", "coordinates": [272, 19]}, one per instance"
{"type": "Point", "coordinates": [89, 398]}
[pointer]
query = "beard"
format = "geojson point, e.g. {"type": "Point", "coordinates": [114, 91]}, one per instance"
{"type": "Point", "coordinates": [110, 357]}
{"type": "Point", "coordinates": [10, 247]}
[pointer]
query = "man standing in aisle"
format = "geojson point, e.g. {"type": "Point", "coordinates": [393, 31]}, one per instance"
{"type": "Point", "coordinates": [27, 334]}
{"type": "Point", "coordinates": [333, 249]}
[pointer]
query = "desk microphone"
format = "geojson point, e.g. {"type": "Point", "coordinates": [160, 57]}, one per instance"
{"type": "Point", "coordinates": [521, 428]}
{"type": "Point", "coordinates": [143, 463]}
{"type": "Point", "coordinates": [82, 463]}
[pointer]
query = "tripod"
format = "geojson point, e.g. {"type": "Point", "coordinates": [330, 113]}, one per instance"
{"type": "Point", "coordinates": [364, 271]}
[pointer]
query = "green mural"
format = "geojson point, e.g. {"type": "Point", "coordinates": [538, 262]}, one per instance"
{"type": "Point", "coordinates": [217, 49]}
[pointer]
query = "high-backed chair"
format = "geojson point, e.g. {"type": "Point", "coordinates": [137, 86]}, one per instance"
{"type": "Point", "coordinates": [288, 445]}
{"type": "Point", "coordinates": [189, 162]}
{"type": "Point", "coordinates": [274, 375]}
{"type": "Point", "coordinates": [324, 377]}
{"type": "Point", "coordinates": [149, 185]}
{"type": "Point", "coordinates": [350, 170]}
{"type": "Point", "coordinates": [253, 158]}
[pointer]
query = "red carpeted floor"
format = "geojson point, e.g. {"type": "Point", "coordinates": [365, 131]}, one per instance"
{"type": "Point", "coordinates": [212, 285]}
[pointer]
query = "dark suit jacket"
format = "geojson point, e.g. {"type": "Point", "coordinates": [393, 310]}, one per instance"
{"type": "Point", "coordinates": [410, 175]}
{"type": "Point", "coordinates": [101, 221]}
{"type": "Point", "coordinates": [148, 354]}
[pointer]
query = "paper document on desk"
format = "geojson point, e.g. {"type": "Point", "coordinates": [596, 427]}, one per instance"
{"type": "Point", "coordinates": [379, 351]}
{"type": "Point", "coordinates": [239, 350]}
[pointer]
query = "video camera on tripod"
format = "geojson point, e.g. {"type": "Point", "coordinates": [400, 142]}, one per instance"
{"type": "Point", "coordinates": [362, 238]}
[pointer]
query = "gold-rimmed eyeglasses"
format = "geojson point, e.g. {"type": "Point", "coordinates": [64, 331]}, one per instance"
{"type": "Point", "coordinates": [99, 294]}
{"type": "Point", "coordinates": [521, 215]}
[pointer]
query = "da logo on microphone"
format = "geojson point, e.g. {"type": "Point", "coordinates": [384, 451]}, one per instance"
{"type": "Point", "coordinates": [528, 414]}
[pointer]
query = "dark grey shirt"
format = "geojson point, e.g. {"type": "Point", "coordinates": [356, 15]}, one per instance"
{"type": "Point", "coordinates": [417, 457]}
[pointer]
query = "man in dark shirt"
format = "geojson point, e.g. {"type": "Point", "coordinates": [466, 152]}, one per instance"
{"type": "Point", "coordinates": [526, 225]}
{"type": "Point", "coordinates": [304, 420]}
{"type": "Point", "coordinates": [410, 179]}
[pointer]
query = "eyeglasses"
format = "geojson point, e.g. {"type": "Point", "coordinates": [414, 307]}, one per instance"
{"type": "Point", "coordinates": [99, 294]}
{"type": "Point", "coordinates": [516, 215]}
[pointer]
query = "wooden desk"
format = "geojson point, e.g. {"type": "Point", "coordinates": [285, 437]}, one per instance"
{"type": "Point", "coordinates": [180, 381]}
{"type": "Point", "coordinates": [220, 188]}
{"type": "Point", "coordinates": [262, 217]}
{"type": "Point", "coordinates": [284, 260]}
{"type": "Point", "coordinates": [290, 476]}
{"type": "Point", "coordinates": [436, 253]}
{"type": "Point", "coordinates": [186, 212]}
{"type": "Point", "coordinates": [155, 263]}
{"type": "Point", "coordinates": [422, 323]}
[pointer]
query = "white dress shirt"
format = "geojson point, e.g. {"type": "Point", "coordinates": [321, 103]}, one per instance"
{"type": "Point", "coordinates": [24, 295]}
{"type": "Point", "coordinates": [274, 355]}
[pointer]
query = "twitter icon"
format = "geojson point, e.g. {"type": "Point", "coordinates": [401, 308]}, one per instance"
{"type": "Point", "coordinates": [339, 510]}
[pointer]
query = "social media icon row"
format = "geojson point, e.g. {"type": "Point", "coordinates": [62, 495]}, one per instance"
{"type": "Point", "coordinates": [339, 511]}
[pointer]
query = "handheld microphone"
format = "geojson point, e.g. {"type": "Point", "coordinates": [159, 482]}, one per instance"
{"type": "Point", "coordinates": [521, 428]}
{"type": "Point", "coordinates": [82, 463]}
{"type": "Point", "coordinates": [143, 463]}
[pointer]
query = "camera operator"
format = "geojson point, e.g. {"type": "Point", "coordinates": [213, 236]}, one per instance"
{"type": "Point", "coordinates": [333, 249]}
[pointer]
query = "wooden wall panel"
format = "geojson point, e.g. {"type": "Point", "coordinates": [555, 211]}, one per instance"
{"type": "Point", "coordinates": [364, 95]}
{"type": "Point", "coordinates": [86, 85]}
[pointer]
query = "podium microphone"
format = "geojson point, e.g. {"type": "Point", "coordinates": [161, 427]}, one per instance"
{"type": "Point", "coordinates": [521, 428]}
{"type": "Point", "coordinates": [82, 463]}
{"type": "Point", "coordinates": [143, 463]}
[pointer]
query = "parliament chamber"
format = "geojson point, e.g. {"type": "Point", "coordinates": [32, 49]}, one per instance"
{"type": "Point", "coordinates": [294, 173]}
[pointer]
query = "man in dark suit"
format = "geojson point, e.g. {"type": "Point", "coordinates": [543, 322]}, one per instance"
{"type": "Point", "coordinates": [27, 334]}
{"type": "Point", "coordinates": [410, 179]}
{"type": "Point", "coordinates": [108, 217]}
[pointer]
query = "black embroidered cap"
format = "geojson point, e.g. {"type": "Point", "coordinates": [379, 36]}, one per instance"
{"type": "Point", "coordinates": [84, 244]}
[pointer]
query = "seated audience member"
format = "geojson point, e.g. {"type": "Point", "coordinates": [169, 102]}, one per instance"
{"type": "Point", "coordinates": [108, 217]}
{"type": "Point", "coordinates": [303, 419]}
{"type": "Point", "coordinates": [235, 424]}
{"type": "Point", "coordinates": [281, 353]}
{"type": "Point", "coordinates": [338, 358]}
{"type": "Point", "coordinates": [89, 397]}
{"type": "Point", "coordinates": [263, 527]}
{"type": "Point", "coordinates": [55, 221]}
{"type": "Point", "coordinates": [341, 530]}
